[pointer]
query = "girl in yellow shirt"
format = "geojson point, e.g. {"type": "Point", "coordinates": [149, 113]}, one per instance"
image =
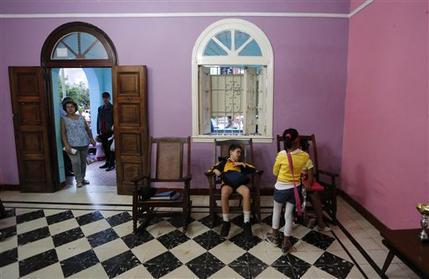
{"type": "Point", "coordinates": [284, 187]}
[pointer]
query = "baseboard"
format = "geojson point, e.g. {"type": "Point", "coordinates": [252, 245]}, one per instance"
{"type": "Point", "coordinates": [9, 187]}
{"type": "Point", "coordinates": [363, 211]}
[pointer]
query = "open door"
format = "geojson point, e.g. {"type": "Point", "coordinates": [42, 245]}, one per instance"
{"type": "Point", "coordinates": [131, 125]}
{"type": "Point", "coordinates": [31, 124]}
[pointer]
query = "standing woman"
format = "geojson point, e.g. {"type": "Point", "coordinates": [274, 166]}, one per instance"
{"type": "Point", "coordinates": [76, 136]}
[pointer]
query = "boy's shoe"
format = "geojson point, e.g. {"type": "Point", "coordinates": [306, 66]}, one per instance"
{"type": "Point", "coordinates": [104, 166]}
{"type": "Point", "coordinates": [274, 239]}
{"type": "Point", "coordinates": [247, 227]}
{"type": "Point", "coordinates": [85, 182]}
{"type": "Point", "coordinates": [79, 185]}
{"type": "Point", "coordinates": [225, 229]}
{"type": "Point", "coordinates": [287, 245]}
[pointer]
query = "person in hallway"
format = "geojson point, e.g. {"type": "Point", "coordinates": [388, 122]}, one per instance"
{"type": "Point", "coordinates": [76, 136]}
{"type": "Point", "coordinates": [104, 130]}
{"type": "Point", "coordinates": [289, 165]}
{"type": "Point", "coordinates": [67, 162]}
{"type": "Point", "coordinates": [234, 178]}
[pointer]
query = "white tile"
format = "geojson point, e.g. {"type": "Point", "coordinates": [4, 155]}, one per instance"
{"type": "Point", "coordinates": [180, 272]}
{"type": "Point", "coordinates": [314, 272]}
{"type": "Point", "coordinates": [35, 247]}
{"type": "Point", "coordinates": [10, 271]}
{"type": "Point", "coordinates": [72, 248]}
{"type": "Point", "coordinates": [187, 251]}
{"type": "Point", "coordinates": [63, 226]}
{"type": "Point", "coordinates": [110, 249]}
{"type": "Point", "coordinates": [148, 250]}
{"type": "Point", "coordinates": [53, 271]}
{"type": "Point", "coordinates": [226, 272]}
{"type": "Point", "coordinates": [269, 273]}
{"type": "Point", "coordinates": [95, 227]}
{"type": "Point", "coordinates": [195, 228]}
{"type": "Point", "coordinates": [107, 213]}
{"type": "Point", "coordinates": [124, 228]}
{"type": "Point", "coordinates": [266, 252]}
{"type": "Point", "coordinates": [31, 225]}
{"type": "Point", "coordinates": [356, 274]}
{"type": "Point", "coordinates": [160, 228]}
{"type": "Point", "coordinates": [8, 243]}
{"type": "Point", "coordinates": [227, 251]}
{"type": "Point", "coordinates": [50, 212]}
{"type": "Point", "coordinates": [93, 272]}
{"type": "Point", "coordinates": [306, 251]}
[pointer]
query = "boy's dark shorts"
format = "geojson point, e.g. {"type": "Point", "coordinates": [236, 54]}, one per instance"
{"type": "Point", "coordinates": [283, 196]}
{"type": "Point", "coordinates": [234, 179]}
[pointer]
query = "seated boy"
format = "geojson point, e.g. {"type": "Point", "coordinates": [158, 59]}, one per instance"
{"type": "Point", "coordinates": [234, 178]}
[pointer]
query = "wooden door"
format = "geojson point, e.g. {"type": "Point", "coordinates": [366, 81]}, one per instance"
{"type": "Point", "coordinates": [131, 125]}
{"type": "Point", "coordinates": [31, 124]}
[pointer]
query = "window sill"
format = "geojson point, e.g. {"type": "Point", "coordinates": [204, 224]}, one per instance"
{"type": "Point", "coordinates": [257, 139]}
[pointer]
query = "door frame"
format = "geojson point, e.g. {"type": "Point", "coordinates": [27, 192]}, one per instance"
{"type": "Point", "coordinates": [47, 64]}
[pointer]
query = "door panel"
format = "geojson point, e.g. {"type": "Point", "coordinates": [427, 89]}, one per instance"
{"type": "Point", "coordinates": [31, 123]}
{"type": "Point", "coordinates": [131, 124]}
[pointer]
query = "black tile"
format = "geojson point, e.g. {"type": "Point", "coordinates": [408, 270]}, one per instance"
{"type": "Point", "coordinates": [318, 239]}
{"type": "Point", "coordinates": [29, 216]}
{"type": "Point", "coordinates": [33, 235]}
{"type": "Point", "coordinates": [240, 240]}
{"type": "Point", "coordinates": [120, 264]}
{"type": "Point", "coordinates": [209, 239]}
{"type": "Point", "coordinates": [207, 221]}
{"type": "Point", "coordinates": [248, 266]}
{"type": "Point", "coordinates": [8, 257]}
{"type": "Point", "coordinates": [59, 217]}
{"type": "Point", "coordinates": [136, 239]}
{"type": "Point", "coordinates": [177, 221]}
{"type": "Point", "coordinates": [291, 266]}
{"type": "Point", "coordinates": [205, 265]}
{"type": "Point", "coordinates": [89, 218]}
{"type": "Point", "coordinates": [67, 236]}
{"type": "Point", "coordinates": [78, 263]}
{"type": "Point", "coordinates": [37, 262]}
{"type": "Point", "coordinates": [8, 232]}
{"type": "Point", "coordinates": [172, 239]}
{"type": "Point", "coordinates": [8, 213]}
{"type": "Point", "coordinates": [119, 219]}
{"type": "Point", "coordinates": [102, 237]}
{"type": "Point", "coordinates": [334, 265]}
{"type": "Point", "coordinates": [239, 220]}
{"type": "Point", "coordinates": [162, 264]}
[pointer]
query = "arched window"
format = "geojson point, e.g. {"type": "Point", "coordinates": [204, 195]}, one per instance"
{"type": "Point", "coordinates": [232, 82]}
{"type": "Point", "coordinates": [78, 44]}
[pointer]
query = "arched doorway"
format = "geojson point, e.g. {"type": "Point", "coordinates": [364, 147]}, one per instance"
{"type": "Point", "coordinates": [81, 46]}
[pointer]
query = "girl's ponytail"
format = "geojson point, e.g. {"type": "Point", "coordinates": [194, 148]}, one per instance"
{"type": "Point", "coordinates": [289, 136]}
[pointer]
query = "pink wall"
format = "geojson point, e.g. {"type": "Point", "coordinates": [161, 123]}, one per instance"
{"type": "Point", "coordinates": [309, 79]}
{"type": "Point", "coordinates": [385, 143]}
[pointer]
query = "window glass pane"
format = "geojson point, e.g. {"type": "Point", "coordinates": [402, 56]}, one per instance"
{"type": "Point", "coordinates": [213, 49]}
{"type": "Point", "coordinates": [71, 41]}
{"type": "Point", "coordinates": [68, 47]}
{"type": "Point", "coordinates": [96, 52]}
{"type": "Point", "coordinates": [62, 52]}
{"type": "Point", "coordinates": [85, 41]}
{"type": "Point", "coordinates": [251, 49]}
{"type": "Point", "coordinates": [240, 38]}
{"type": "Point", "coordinates": [225, 38]}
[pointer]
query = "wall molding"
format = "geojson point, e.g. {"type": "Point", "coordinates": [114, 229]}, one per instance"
{"type": "Point", "coordinates": [188, 14]}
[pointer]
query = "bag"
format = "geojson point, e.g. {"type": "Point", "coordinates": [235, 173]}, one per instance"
{"type": "Point", "coordinates": [316, 186]}
{"type": "Point", "coordinates": [299, 210]}
{"type": "Point", "coordinates": [234, 179]}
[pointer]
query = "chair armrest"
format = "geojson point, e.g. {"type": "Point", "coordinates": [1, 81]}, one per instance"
{"type": "Point", "coordinates": [331, 174]}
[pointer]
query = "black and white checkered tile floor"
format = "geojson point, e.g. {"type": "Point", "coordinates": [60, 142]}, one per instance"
{"type": "Point", "coordinates": [100, 244]}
